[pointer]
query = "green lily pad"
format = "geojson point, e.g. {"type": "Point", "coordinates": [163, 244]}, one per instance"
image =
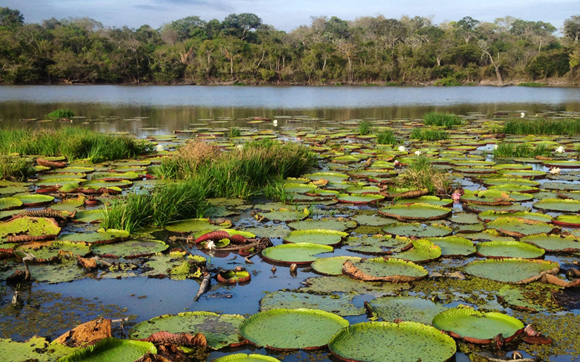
{"type": "Point", "coordinates": [423, 250]}
{"type": "Point", "coordinates": [103, 237]}
{"type": "Point", "coordinates": [197, 227]}
{"type": "Point", "coordinates": [392, 342]}
{"type": "Point", "coordinates": [411, 309]}
{"type": "Point", "coordinates": [491, 215]}
{"type": "Point", "coordinates": [378, 244]}
{"type": "Point", "coordinates": [242, 357]}
{"type": "Point", "coordinates": [69, 205]}
{"type": "Point", "coordinates": [464, 218]}
{"type": "Point", "coordinates": [510, 180]}
{"type": "Point", "coordinates": [518, 228]}
{"type": "Point", "coordinates": [514, 188]}
{"type": "Point", "coordinates": [74, 170]}
{"type": "Point", "coordinates": [418, 230]}
{"type": "Point", "coordinates": [488, 235]}
{"type": "Point", "coordinates": [106, 184]}
{"type": "Point", "coordinates": [219, 330]}
{"type": "Point", "coordinates": [554, 243]}
{"type": "Point", "coordinates": [316, 236]}
{"type": "Point", "coordinates": [359, 199]}
{"type": "Point", "coordinates": [9, 203]}
{"type": "Point", "coordinates": [454, 246]}
{"type": "Point", "coordinates": [36, 348]}
{"type": "Point", "coordinates": [475, 326]}
{"type": "Point", "coordinates": [66, 271]}
{"type": "Point", "coordinates": [560, 205]}
{"type": "Point", "coordinates": [332, 265]}
{"type": "Point", "coordinates": [291, 329]}
{"type": "Point", "coordinates": [516, 299]}
{"type": "Point", "coordinates": [111, 349]}
{"type": "Point", "coordinates": [285, 215]}
{"type": "Point", "coordinates": [324, 224]}
{"type": "Point", "coordinates": [511, 271]}
{"type": "Point", "coordinates": [427, 199]}
{"type": "Point", "coordinates": [11, 190]}
{"type": "Point", "coordinates": [344, 284]}
{"type": "Point", "coordinates": [34, 200]}
{"type": "Point", "coordinates": [131, 248]}
{"type": "Point", "coordinates": [299, 188]}
{"type": "Point", "coordinates": [416, 212]}
{"type": "Point", "coordinates": [330, 176]}
{"type": "Point", "coordinates": [387, 270]}
{"type": "Point", "coordinates": [35, 227]}
{"type": "Point", "coordinates": [299, 253]}
{"type": "Point", "coordinates": [333, 303]}
{"type": "Point", "coordinates": [371, 220]}
{"type": "Point", "coordinates": [509, 249]}
{"type": "Point", "coordinates": [88, 216]}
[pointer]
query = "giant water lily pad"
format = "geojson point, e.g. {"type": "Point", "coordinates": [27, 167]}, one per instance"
{"type": "Point", "coordinates": [384, 270]}
{"type": "Point", "coordinates": [411, 309]}
{"type": "Point", "coordinates": [509, 249]}
{"type": "Point", "coordinates": [197, 227]}
{"type": "Point", "coordinates": [512, 271]}
{"type": "Point", "coordinates": [554, 243]}
{"type": "Point", "coordinates": [392, 342]}
{"type": "Point", "coordinates": [372, 220]}
{"type": "Point", "coordinates": [299, 253]}
{"type": "Point", "coordinates": [568, 221]}
{"type": "Point", "coordinates": [285, 215]}
{"type": "Point", "coordinates": [378, 244]}
{"type": "Point", "coordinates": [454, 245]}
{"type": "Point", "coordinates": [418, 230]}
{"type": "Point", "coordinates": [477, 327]}
{"type": "Point", "coordinates": [560, 205]}
{"type": "Point", "coordinates": [33, 228]}
{"type": "Point", "coordinates": [416, 212]}
{"type": "Point", "coordinates": [35, 349]}
{"type": "Point", "coordinates": [291, 329]}
{"type": "Point", "coordinates": [344, 284]}
{"type": "Point", "coordinates": [516, 298]}
{"type": "Point", "coordinates": [9, 203]}
{"type": "Point", "coordinates": [493, 215]}
{"type": "Point", "coordinates": [325, 224]}
{"type": "Point", "coordinates": [101, 237]}
{"type": "Point", "coordinates": [242, 357]}
{"type": "Point", "coordinates": [69, 205]}
{"type": "Point", "coordinates": [330, 176]}
{"type": "Point", "coordinates": [332, 265]}
{"type": "Point", "coordinates": [357, 199]}
{"type": "Point", "coordinates": [130, 249]}
{"type": "Point", "coordinates": [34, 200]}
{"type": "Point", "coordinates": [111, 349]}
{"type": "Point", "coordinates": [518, 228]}
{"type": "Point", "coordinates": [333, 303]}
{"type": "Point", "coordinates": [316, 236]}
{"type": "Point", "coordinates": [423, 250]}
{"type": "Point", "coordinates": [89, 216]}
{"type": "Point", "coordinates": [219, 330]}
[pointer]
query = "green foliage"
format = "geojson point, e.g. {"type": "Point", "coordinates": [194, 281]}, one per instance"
{"type": "Point", "coordinates": [510, 149]}
{"type": "Point", "coordinates": [420, 174]}
{"type": "Point", "coordinates": [446, 120]}
{"type": "Point", "coordinates": [364, 128]}
{"type": "Point", "coordinates": [386, 138]}
{"type": "Point", "coordinates": [551, 64]}
{"type": "Point", "coordinates": [568, 127]}
{"type": "Point", "coordinates": [71, 142]}
{"type": "Point", "coordinates": [428, 134]}
{"type": "Point", "coordinates": [532, 84]}
{"type": "Point", "coordinates": [61, 113]}
{"type": "Point", "coordinates": [447, 82]}
{"type": "Point", "coordinates": [14, 168]}
{"type": "Point", "coordinates": [234, 132]}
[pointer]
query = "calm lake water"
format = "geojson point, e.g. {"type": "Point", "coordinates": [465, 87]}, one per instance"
{"type": "Point", "coordinates": [178, 107]}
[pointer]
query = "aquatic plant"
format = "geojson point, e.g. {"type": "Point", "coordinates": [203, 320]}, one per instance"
{"type": "Point", "coordinates": [386, 138]}
{"type": "Point", "coordinates": [543, 126]}
{"type": "Point", "coordinates": [364, 128]}
{"type": "Point", "coordinates": [428, 134]}
{"type": "Point", "coordinates": [510, 149]}
{"type": "Point", "coordinates": [14, 168]}
{"type": "Point", "coordinates": [447, 120]}
{"type": "Point", "coordinates": [73, 143]}
{"type": "Point", "coordinates": [61, 113]}
{"type": "Point", "coordinates": [234, 132]}
{"type": "Point", "coordinates": [420, 174]}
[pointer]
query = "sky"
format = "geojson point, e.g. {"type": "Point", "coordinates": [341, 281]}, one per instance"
{"type": "Point", "coordinates": [289, 14]}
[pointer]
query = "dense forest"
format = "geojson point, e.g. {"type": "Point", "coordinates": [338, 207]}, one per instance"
{"type": "Point", "coordinates": [243, 50]}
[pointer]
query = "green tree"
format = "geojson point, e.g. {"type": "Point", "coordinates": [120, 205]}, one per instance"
{"type": "Point", "coordinates": [10, 17]}
{"type": "Point", "coordinates": [572, 28]}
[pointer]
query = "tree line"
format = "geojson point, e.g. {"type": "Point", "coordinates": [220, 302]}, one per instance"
{"type": "Point", "coordinates": [241, 49]}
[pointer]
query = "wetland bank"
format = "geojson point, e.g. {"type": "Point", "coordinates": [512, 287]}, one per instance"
{"type": "Point", "coordinates": [389, 213]}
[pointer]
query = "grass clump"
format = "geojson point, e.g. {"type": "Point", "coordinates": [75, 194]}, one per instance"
{"type": "Point", "coordinates": [568, 127]}
{"type": "Point", "coordinates": [364, 128]}
{"type": "Point", "coordinates": [420, 174]}
{"type": "Point", "coordinates": [234, 132]}
{"type": "Point", "coordinates": [61, 113]}
{"type": "Point", "coordinates": [73, 143]}
{"type": "Point", "coordinates": [14, 168]}
{"type": "Point", "coordinates": [428, 134]}
{"type": "Point", "coordinates": [386, 138]}
{"type": "Point", "coordinates": [510, 149]}
{"type": "Point", "coordinates": [447, 120]}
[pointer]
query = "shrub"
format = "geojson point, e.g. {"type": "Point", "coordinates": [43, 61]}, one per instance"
{"type": "Point", "coordinates": [543, 126]}
{"type": "Point", "coordinates": [420, 174]}
{"type": "Point", "coordinates": [386, 138]}
{"type": "Point", "coordinates": [446, 120]}
{"type": "Point", "coordinates": [61, 113]}
{"type": "Point", "coordinates": [364, 128]}
{"type": "Point", "coordinates": [427, 134]}
{"type": "Point", "coordinates": [510, 149]}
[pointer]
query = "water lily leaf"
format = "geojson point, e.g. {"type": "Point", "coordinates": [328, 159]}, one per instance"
{"type": "Point", "coordinates": [384, 270]}
{"type": "Point", "coordinates": [219, 330]}
{"type": "Point", "coordinates": [491, 215]}
{"type": "Point", "coordinates": [554, 243]}
{"type": "Point", "coordinates": [344, 284]}
{"type": "Point", "coordinates": [516, 299]}
{"type": "Point", "coordinates": [509, 249]}
{"type": "Point", "coordinates": [111, 349]}
{"type": "Point", "coordinates": [34, 200]}
{"type": "Point", "coordinates": [130, 249]}
{"type": "Point", "coordinates": [561, 205]}
{"type": "Point", "coordinates": [418, 230]}
{"type": "Point", "coordinates": [69, 205]}
{"type": "Point", "coordinates": [392, 342]}
{"type": "Point", "coordinates": [428, 199]}
{"type": "Point", "coordinates": [332, 265]}
{"type": "Point", "coordinates": [284, 215]}
{"type": "Point", "coordinates": [454, 245]}
{"type": "Point", "coordinates": [423, 250]}
{"type": "Point", "coordinates": [330, 176]}
{"type": "Point", "coordinates": [411, 309]}
{"type": "Point", "coordinates": [316, 236]}
{"type": "Point", "coordinates": [99, 183]}
{"type": "Point", "coordinates": [9, 203]}
{"type": "Point", "coordinates": [372, 220]}
{"type": "Point", "coordinates": [291, 329]}
{"type": "Point", "coordinates": [101, 237]}
{"type": "Point", "coordinates": [356, 199]}
{"type": "Point", "coordinates": [333, 303]}
{"type": "Point", "coordinates": [33, 228]}
{"type": "Point", "coordinates": [88, 216]}
{"type": "Point", "coordinates": [475, 326]}
{"type": "Point", "coordinates": [197, 227]}
{"type": "Point", "coordinates": [299, 253]}
{"type": "Point", "coordinates": [275, 231]}
{"type": "Point", "coordinates": [512, 271]}
{"type": "Point", "coordinates": [36, 348]}
{"type": "Point", "coordinates": [326, 224]}
{"type": "Point", "coordinates": [242, 357]}
{"type": "Point", "coordinates": [416, 212]}
{"type": "Point", "coordinates": [518, 228]}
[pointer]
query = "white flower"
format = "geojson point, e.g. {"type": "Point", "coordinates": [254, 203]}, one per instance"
{"type": "Point", "coordinates": [402, 149]}
{"type": "Point", "coordinates": [560, 149]}
{"type": "Point", "coordinates": [555, 170]}
{"type": "Point", "coordinates": [240, 147]}
{"type": "Point", "coordinates": [159, 148]}
{"type": "Point", "coordinates": [495, 147]}
{"type": "Point", "coordinates": [275, 122]}
{"type": "Point", "coordinates": [210, 245]}
{"type": "Point", "coordinates": [418, 153]}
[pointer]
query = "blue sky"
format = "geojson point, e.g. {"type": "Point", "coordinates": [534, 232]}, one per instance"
{"type": "Point", "coordinates": [287, 15]}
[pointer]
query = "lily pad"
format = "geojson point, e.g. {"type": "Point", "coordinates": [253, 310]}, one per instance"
{"type": "Point", "coordinates": [69, 205]}
{"type": "Point", "coordinates": [325, 224]}
{"type": "Point", "coordinates": [333, 303]}
{"type": "Point", "coordinates": [416, 212]}
{"type": "Point", "coordinates": [332, 265]}
{"type": "Point", "coordinates": [285, 215]}
{"type": "Point", "coordinates": [35, 349]}
{"type": "Point", "coordinates": [88, 216]}
{"type": "Point", "coordinates": [518, 228]}
{"type": "Point", "coordinates": [512, 271]}
{"type": "Point", "coordinates": [378, 244]}
{"type": "Point", "coordinates": [509, 249]}
{"type": "Point", "coordinates": [242, 357]}
{"type": "Point", "coordinates": [491, 215]}
{"type": "Point", "coordinates": [554, 243]}
{"type": "Point", "coordinates": [371, 220]}
{"type": "Point", "coordinates": [101, 237]}
{"type": "Point", "coordinates": [299, 253]}
{"type": "Point", "coordinates": [423, 250]}
{"type": "Point", "coordinates": [359, 199]}
{"type": "Point", "coordinates": [392, 342]}
{"type": "Point", "coordinates": [411, 309]}
{"type": "Point", "coordinates": [477, 327]}
{"type": "Point", "coordinates": [454, 246]}
{"type": "Point", "coordinates": [560, 205]}
{"type": "Point", "coordinates": [9, 203]}
{"type": "Point", "coordinates": [219, 330]}
{"type": "Point", "coordinates": [418, 230]}
{"type": "Point", "coordinates": [384, 270]}
{"type": "Point", "coordinates": [344, 284]}
{"type": "Point", "coordinates": [34, 228]}
{"type": "Point", "coordinates": [291, 329]}
{"type": "Point", "coordinates": [330, 176]}
{"type": "Point", "coordinates": [34, 200]}
{"type": "Point", "coordinates": [516, 299]}
{"type": "Point", "coordinates": [197, 227]}
{"type": "Point", "coordinates": [111, 349]}
{"type": "Point", "coordinates": [316, 236]}
{"type": "Point", "coordinates": [130, 249]}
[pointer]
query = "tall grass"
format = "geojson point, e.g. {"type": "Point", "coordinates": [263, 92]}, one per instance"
{"type": "Point", "coordinates": [543, 126]}
{"type": "Point", "coordinates": [364, 128]}
{"type": "Point", "coordinates": [14, 168]}
{"type": "Point", "coordinates": [510, 149]}
{"type": "Point", "coordinates": [61, 113]}
{"type": "Point", "coordinates": [386, 138]}
{"type": "Point", "coordinates": [447, 120]}
{"type": "Point", "coordinates": [71, 142]}
{"type": "Point", "coordinates": [420, 174]}
{"type": "Point", "coordinates": [428, 134]}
